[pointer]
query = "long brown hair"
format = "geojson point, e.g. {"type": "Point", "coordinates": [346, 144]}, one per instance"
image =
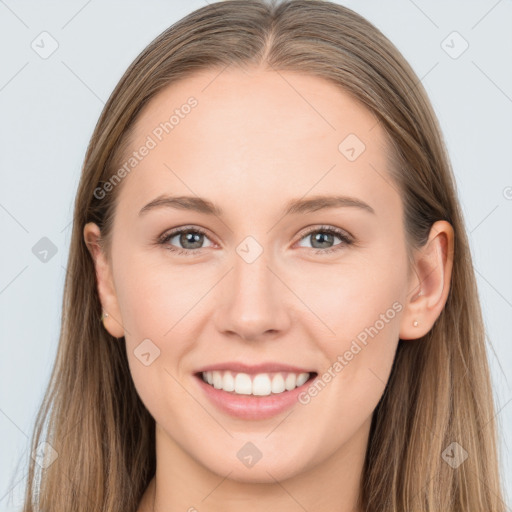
{"type": "Point", "coordinates": [439, 390]}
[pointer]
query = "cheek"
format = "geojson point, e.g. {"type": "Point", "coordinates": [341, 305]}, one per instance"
{"type": "Point", "coordinates": [154, 298]}
{"type": "Point", "coordinates": [360, 306]}
{"type": "Point", "coordinates": [154, 305]}
{"type": "Point", "coordinates": [351, 297]}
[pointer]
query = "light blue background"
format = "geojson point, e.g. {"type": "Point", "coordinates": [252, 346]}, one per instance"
{"type": "Point", "coordinates": [49, 108]}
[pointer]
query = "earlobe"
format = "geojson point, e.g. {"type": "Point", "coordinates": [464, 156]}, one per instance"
{"type": "Point", "coordinates": [112, 321]}
{"type": "Point", "coordinates": [431, 283]}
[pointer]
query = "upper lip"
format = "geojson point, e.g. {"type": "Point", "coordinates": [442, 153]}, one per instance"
{"type": "Point", "coordinates": [268, 367]}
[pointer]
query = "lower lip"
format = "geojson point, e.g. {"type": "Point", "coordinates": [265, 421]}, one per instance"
{"type": "Point", "coordinates": [251, 407]}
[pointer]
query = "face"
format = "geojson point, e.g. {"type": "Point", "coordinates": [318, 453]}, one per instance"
{"type": "Point", "coordinates": [319, 288]}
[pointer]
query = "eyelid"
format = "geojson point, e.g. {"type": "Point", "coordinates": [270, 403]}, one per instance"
{"type": "Point", "coordinates": [345, 237]}
{"type": "Point", "coordinates": [171, 233]}
{"type": "Point", "coordinates": [326, 227]}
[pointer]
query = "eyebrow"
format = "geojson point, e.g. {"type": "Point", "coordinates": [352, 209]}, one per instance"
{"type": "Point", "coordinates": [294, 206]}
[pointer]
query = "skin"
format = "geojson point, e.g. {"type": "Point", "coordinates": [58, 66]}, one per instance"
{"type": "Point", "coordinates": [253, 143]}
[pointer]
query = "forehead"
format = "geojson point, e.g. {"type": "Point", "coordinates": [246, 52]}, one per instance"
{"type": "Point", "coordinates": [257, 136]}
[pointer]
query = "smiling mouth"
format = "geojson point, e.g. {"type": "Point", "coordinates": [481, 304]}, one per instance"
{"type": "Point", "coordinates": [260, 384]}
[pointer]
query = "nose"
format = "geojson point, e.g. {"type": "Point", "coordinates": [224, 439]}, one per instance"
{"type": "Point", "coordinates": [252, 303]}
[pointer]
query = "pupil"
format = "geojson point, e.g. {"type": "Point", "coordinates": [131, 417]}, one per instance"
{"type": "Point", "coordinates": [323, 237]}
{"type": "Point", "coordinates": [189, 237]}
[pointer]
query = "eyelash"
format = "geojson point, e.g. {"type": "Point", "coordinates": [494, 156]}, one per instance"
{"type": "Point", "coordinates": [162, 240]}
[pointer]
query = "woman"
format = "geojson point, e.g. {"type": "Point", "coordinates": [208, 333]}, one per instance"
{"type": "Point", "coordinates": [320, 344]}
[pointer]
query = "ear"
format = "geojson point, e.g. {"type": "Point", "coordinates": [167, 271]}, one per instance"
{"type": "Point", "coordinates": [430, 282]}
{"type": "Point", "coordinates": [106, 291]}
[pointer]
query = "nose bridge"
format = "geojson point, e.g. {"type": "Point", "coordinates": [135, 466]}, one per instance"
{"type": "Point", "coordinates": [252, 304]}
{"type": "Point", "coordinates": [251, 274]}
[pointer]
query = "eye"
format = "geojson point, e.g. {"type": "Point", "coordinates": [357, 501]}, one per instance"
{"type": "Point", "coordinates": [324, 236]}
{"type": "Point", "coordinates": [190, 238]}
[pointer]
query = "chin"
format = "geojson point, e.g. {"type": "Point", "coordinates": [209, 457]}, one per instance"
{"type": "Point", "coordinates": [264, 471]}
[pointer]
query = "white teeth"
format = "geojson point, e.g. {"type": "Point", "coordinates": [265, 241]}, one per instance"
{"type": "Point", "coordinates": [243, 384]}
{"type": "Point", "coordinates": [301, 378]}
{"type": "Point", "coordinates": [228, 382]}
{"type": "Point", "coordinates": [278, 383]}
{"type": "Point", "coordinates": [289, 383]}
{"type": "Point", "coordinates": [262, 384]}
{"type": "Point", "coordinates": [217, 380]}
